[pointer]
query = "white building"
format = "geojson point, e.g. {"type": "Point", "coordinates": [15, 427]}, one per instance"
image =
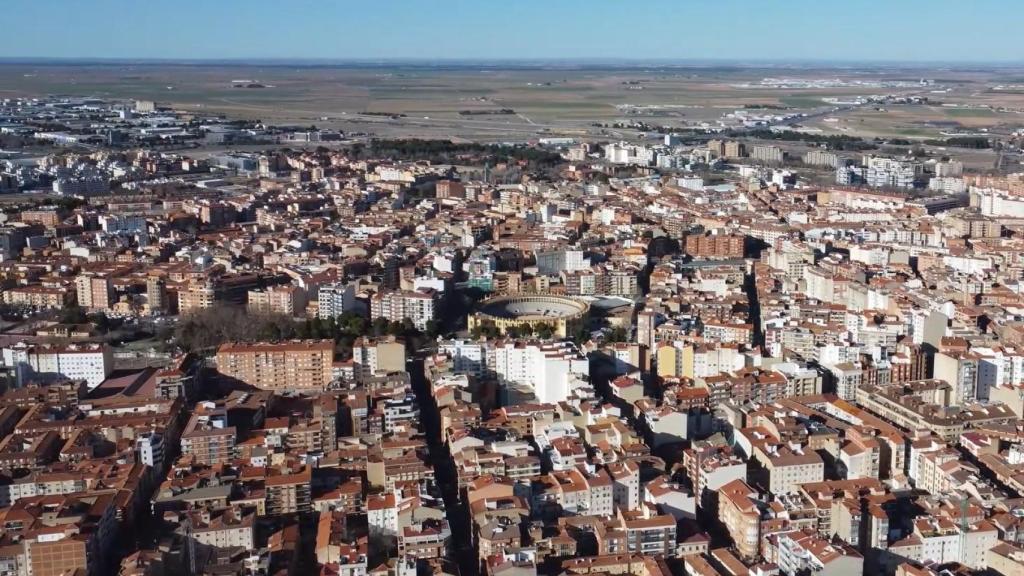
{"type": "Point", "coordinates": [420, 306]}
{"type": "Point", "coordinates": [335, 299]}
{"type": "Point", "coordinates": [551, 263]}
{"type": "Point", "coordinates": [948, 184]}
{"type": "Point", "coordinates": [998, 367]}
{"type": "Point", "coordinates": [151, 450]}
{"type": "Point", "coordinates": [382, 513]}
{"type": "Point", "coordinates": [468, 357]}
{"type": "Point", "coordinates": [769, 154]}
{"type": "Point", "coordinates": [821, 158]}
{"type": "Point", "coordinates": [550, 369]}
{"type": "Point", "coordinates": [625, 153]}
{"type": "Point", "coordinates": [806, 552]}
{"type": "Point", "coordinates": [995, 202]}
{"type": "Point", "coordinates": [89, 362]}
{"type": "Point", "coordinates": [950, 168]}
{"type": "Point", "coordinates": [115, 224]}
{"type": "Point", "coordinates": [891, 173]}
{"type": "Point", "coordinates": [89, 186]}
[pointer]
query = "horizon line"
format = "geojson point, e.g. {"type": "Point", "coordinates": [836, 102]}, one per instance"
{"type": "Point", "coordinates": [507, 61]}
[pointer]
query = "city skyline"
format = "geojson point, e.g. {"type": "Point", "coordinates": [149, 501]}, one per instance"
{"type": "Point", "coordinates": [468, 288]}
{"type": "Point", "coordinates": [573, 31]}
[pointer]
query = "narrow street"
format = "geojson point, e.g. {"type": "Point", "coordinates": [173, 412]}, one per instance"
{"type": "Point", "coordinates": [444, 470]}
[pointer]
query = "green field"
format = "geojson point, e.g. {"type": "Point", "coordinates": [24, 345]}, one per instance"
{"type": "Point", "coordinates": [802, 101]}
{"type": "Point", "coordinates": [969, 113]}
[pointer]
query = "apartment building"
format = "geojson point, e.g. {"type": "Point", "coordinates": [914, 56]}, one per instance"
{"type": "Point", "coordinates": [419, 306]}
{"type": "Point", "coordinates": [95, 292]}
{"type": "Point", "coordinates": [48, 217]}
{"type": "Point", "coordinates": [738, 511]}
{"type": "Point", "coordinates": [378, 355]}
{"type": "Point", "coordinates": [38, 297]}
{"type": "Point", "coordinates": [71, 534]}
{"type": "Point", "coordinates": [821, 158]}
{"type": "Point", "coordinates": [735, 149]}
{"type": "Point", "coordinates": [548, 369]}
{"type": "Point", "coordinates": [207, 436]}
{"type": "Point", "coordinates": [653, 535]}
{"type": "Point", "coordinates": [196, 296]}
{"type": "Point", "coordinates": [156, 295]}
{"type": "Point", "coordinates": [284, 300]}
{"type": "Point", "coordinates": [891, 173]}
{"type": "Point", "coordinates": [222, 529]}
{"type": "Point", "coordinates": [789, 468]}
{"type": "Point", "coordinates": [714, 246]}
{"type": "Point", "coordinates": [728, 332]}
{"type": "Point", "coordinates": [333, 300]}
{"type": "Point", "coordinates": [710, 468]}
{"type": "Point", "coordinates": [804, 551]}
{"type": "Point", "coordinates": [289, 493]}
{"type": "Point", "coordinates": [294, 365]}
{"type": "Point", "coordinates": [727, 149]}
{"type": "Point", "coordinates": [425, 540]}
{"type": "Point", "coordinates": [46, 362]}
{"type": "Point", "coordinates": [767, 154]}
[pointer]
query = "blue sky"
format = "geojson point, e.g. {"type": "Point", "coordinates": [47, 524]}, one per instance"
{"type": "Point", "coordinates": [899, 30]}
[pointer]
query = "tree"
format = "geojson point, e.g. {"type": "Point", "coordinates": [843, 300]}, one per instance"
{"type": "Point", "coordinates": [204, 330]}
{"type": "Point", "coordinates": [73, 314]}
{"type": "Point", "coordinates": [381, 547]}
{"type": "Point", "coordinates": [380, 326]}
{"type": "Point", "coordinates": [103, 324]}
{"type": "Point", "coordinates": [545, 331]}
{"type": "Point", "coordinates": [395, 328]}
{"type": "Point", "coordinates": [408, 326]}
{"type": "Point", "coordinates": [352, 324]}
{"type": "Point", "coordinates": [433, 329]}
{"type": "Point", "coordinates": [315, 329]}
{"type": "Point", "coordinates": [617, 334]}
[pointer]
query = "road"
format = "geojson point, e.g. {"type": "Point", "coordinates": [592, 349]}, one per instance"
{"type": "Point", "coordinates": [444, 470]}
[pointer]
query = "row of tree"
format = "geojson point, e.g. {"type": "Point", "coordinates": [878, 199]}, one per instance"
{"type": "Point", "coordinates": [203, 331]}
{"type": "Point", "coordinates": [447, 152]}
{"type": "Point", "coordinates": [543, 331]}
{"type": "Point", "coordinates": [832, 141]}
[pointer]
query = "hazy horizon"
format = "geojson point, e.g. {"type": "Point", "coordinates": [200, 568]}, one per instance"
{"type": "Point", "coordinates": [552, 62]}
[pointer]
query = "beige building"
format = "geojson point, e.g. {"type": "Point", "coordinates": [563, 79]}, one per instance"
{"type": "Point", "coordinates": [419, 306]}
{"type": "Point", "coordinates": [95, 292]}
{"type": "Point", "coordinates": [208, 438]}
{"type": "Point", "coordinates": [196, 296]}
{"type": "Point", "coordinates": [156, 295]}
{"type": "Point", "coordinates": [735, 149]}
{"type": "Point", "coordinates": [286, 300]}
{"type": "Point", "coordinates": [37, 297]}
{"type": "Point", "coordinates": [380, 355]}
{"type": "Point", "coordinates": [565, 316]}
{"type": "Point", "coordinates": [787, 468]}
{"type": "Point", "coordinates": [289, 493]}
{"type": "Point", "coordinates": [295, 365]}
{"type": "Point", "coordinates": [223, 529]}
{"type": "Point", "coordinates": [738, 510]}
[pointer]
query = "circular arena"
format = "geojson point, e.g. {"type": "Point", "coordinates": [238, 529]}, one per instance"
{"type": "Point", "coordinates": [564, 315]}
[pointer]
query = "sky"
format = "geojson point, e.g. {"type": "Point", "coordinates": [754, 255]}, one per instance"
{"type": "Point", "coordinates": [782, 30]}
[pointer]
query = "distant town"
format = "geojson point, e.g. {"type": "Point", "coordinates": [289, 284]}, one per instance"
{"type": "Point", "coordinates": [730, 347]}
